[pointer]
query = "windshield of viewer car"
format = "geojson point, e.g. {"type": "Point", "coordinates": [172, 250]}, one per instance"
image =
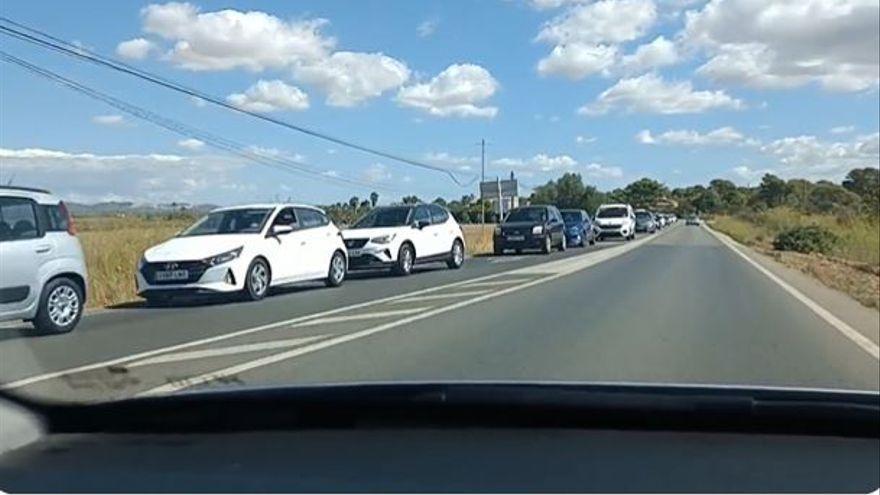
{"type": "Point", "coordinates": [243, 221]}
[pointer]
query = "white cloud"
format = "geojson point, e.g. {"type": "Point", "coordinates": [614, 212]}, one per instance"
{"type": "Point", "coordinates": [584, 139]}
{"type": "Point", "coordinates": [135, 49]}
{"type": "Point", "coordinates": [843, 129]}
{"type": "Point", "coordinates": [109, 120]}
{"type": "Point", "coordinates": [658, 53]}
{"type": "Point", "coordinates": [540, 162]}
{"type": "Point", "coordinates": [191, 144]}
{"type": "Point", "coordinates": [578, 60]}
{"type": "Point", "coordinates": [231, 39]}
{"type": "Point", "coordinates": [427, 28]}
{"type": "Point", "coordinates": [552, 4]}
{"type": "Point", "coordinates": [749, 174]}
{"type": "Point", "coordinates": [377, 172]}
{"type": "Point", "coordinates": [460, 162]}
{"type": "Point", "coordinates": [137, 177]}
{"type": "Point", "coordinates": [788, 43]}
{"type": "Point", "coordinates": [458, 91]}
{"type": "Point", "coordinates": [349, 78]}
{"type": "Point", "coordinates": [599, 171]}
{"type": "Point", "coordinates": [605, 21]}
{"type": "Point", "coordinates": [270, 96]}
{"type": "Point", "coordinates": [651, 94]}
{"type": "Point", "coordinates": [723, 136]}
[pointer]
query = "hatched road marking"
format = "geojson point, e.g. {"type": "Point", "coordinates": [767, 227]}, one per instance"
{"type": "Point", "coordinates": [224, 351]}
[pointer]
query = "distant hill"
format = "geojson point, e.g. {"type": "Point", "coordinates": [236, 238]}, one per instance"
{"type": "Point", "coordinates": [125, 207]}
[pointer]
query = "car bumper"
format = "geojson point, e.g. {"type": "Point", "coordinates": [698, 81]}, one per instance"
{"type": "Point", "coordinates": [370, 256]}
{"type": "Point", "coordinates": [225, 278]}
{"type": "Point", "coordinates": [526, 242]}
{"type": "Point", "coordinates": [645, 228]}
{"type": "Point", "coordinates": [615, 231]}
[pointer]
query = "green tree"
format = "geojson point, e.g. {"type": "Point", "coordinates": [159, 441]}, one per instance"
{"type": "Point", "coordinates": [374, 199]}
{"type": "Point", "coordinates": [866, 183]}
{"type": "Point", "coordinates": [773, 191]}
{"type": "Point", "coordinates": [831, 198]}
{"type": "Point", "coordinates": [353, 202]}
{"type": "Point", "coordinates": [411, 200]}
{"type": "Point", "coordinates": [439, 201]}
{"type": "Point", "coordinates": [645, 193]}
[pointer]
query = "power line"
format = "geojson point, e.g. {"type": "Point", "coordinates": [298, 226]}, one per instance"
{"type": "Point", "coordinates": [48, 41]}
{"type": "Point", "coordinates": [276, 162]}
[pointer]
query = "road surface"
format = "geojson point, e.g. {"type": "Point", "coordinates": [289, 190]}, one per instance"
{"type": "Point", "coordinates": [678, 306]}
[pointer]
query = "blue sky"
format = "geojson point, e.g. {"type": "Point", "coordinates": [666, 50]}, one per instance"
{"type": "Point", "coordinates": [682, 91]}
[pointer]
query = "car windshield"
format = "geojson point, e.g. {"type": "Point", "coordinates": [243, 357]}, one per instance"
{"type": "Point", "coordinates": [571, 216]}
{"type": "Point", "coordinates": [238, 221]}
{"type": "Point", "coordinates": [535, 215]}
{"type": "Point", "coordinates": [206, 196]}
{"type": "Point", "coordinates": [613, 212]}
{"type": "Point", "coordinates": [395, 216]}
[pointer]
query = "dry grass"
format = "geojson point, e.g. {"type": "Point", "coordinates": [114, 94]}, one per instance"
{"type": "Point", "coordinates": [854, 265]}
{"type": "Point", "coordinates": [113, 246]}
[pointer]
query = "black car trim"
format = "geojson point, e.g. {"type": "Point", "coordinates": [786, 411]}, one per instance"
{"type": "Point", "coordinates": [14, 294]}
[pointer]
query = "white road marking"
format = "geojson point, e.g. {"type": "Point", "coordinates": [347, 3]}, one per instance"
{"type": "Point", "coordinates": [225, 351]}
{"type": "Point", "coordinates": [361, 316]}
{"type": "Point", "coordinates": [433, 297]}
{"type": "Point", "coordinates": [851, 333]}
{"type": "Point", "coordinates": [492, 283]}
{"type": "Point", "coordinates": [204, 378]}
{"type": "Point", "coordinates": [506, 259]}
{"type": "Point", "coordinates": [237, 333]}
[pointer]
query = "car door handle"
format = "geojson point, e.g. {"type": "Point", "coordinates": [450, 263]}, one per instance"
{"type": "Point", "coordinates": [45, 248]}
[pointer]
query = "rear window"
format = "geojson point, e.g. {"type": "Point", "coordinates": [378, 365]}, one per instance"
{"type": "Point", "coordinates": [53, 217]}
{"type": "Point", "coordinates": [611, 213]}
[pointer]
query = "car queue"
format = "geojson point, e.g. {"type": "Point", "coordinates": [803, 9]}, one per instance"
{"type": "Point", "coordinates": [247, 250]}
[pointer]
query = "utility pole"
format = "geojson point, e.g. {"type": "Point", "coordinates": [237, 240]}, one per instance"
{"type": "Point", "coordinates": [482, 179]}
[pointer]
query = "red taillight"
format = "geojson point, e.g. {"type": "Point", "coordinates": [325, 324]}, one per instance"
{"type": "Point", "coordinates": [71, 225]}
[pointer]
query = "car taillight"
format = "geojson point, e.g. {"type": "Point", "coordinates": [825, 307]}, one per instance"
{"type": "Point", "coordinates": [71, 226]}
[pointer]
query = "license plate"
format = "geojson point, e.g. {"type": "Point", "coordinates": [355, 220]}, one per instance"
{"type": "Point", "coordinates": [516, 238]}
{"type": "Point", "coordinates": [167, 275]}
{"type": "Point", "coordinates": [355, 252]}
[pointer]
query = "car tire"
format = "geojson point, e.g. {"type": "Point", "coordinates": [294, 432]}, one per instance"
{"type": "Point", "coordinates": [60, 306]}
{"type": "Point", "coordinates": [548, 245]}
{"type": "Point", "coordinates": [563, 245]}
{"type": "Point", "coordinates": [497, 251]}
{"type": "Point", "coordinates": [337, 270]}
{"type": "Point", "coordinates": [406, 257]}
{"type": "Point", "coordinates": [456, 255]}
{"type": "Point", "coordinates": [257, 280]}
{"type": "Point", "coordinates": [593, 241]}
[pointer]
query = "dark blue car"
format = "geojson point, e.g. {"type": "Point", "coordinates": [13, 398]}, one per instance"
{"type": "Point", "coordinates": [578, 228]}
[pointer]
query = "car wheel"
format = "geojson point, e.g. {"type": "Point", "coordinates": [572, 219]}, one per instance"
{"type": "Point", "coordinates": [592, 240]}
{"type": "Point", "coordinates": [548, 245]}
{"type": "Point", "coordinates": [61, 306]}
{"type": "Point", "coordinates": [256, 282]}
{"type": "Point", "coordinates": [406, 256]}
{"type": "Point", "coordinates": [337, 270]}
{"type": "Point", "coordinates": [456, 256]}
{"type": "Point", "coordinates": [563, 245]}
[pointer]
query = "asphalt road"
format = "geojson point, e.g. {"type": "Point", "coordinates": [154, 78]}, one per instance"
{"type": "Point", "coordinates": [677, 306]}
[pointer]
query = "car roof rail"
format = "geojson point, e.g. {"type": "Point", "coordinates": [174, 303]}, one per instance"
{"type": "Point", "coordinates": [24, 188]}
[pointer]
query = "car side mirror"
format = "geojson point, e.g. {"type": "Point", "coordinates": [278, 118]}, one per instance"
{"type": "Point", "coordinates": [421, 224]}
{"type": "Point", "coordinates": [277, 230]}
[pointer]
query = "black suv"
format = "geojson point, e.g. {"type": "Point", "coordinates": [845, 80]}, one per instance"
{"type": "Point", "coordinates": [531, 227]}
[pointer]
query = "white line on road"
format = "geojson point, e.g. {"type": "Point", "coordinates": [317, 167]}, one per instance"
{"type": "Point", "coordinates": [492, 283]}
{"type": "Point", "coordinates": [434, 297]}
{"type": "Point", "coordinates": [599, 257]}
{"type": "Point", "coordinates": [224, 351]}
{"type": "Point", "coordinates": [851, 333]}
{"type": "Point", "coordinates": [505, 259]}
{"type": "Point", "coordinates": [360, 316]}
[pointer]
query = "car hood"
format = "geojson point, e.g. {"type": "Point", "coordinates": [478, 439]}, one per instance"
{"type": "Point", "coordinates": [519, 225]}
{"type": "Point", "coordinates": [196, 247]}
{"type": "Point", "coordinates": [372, 232]}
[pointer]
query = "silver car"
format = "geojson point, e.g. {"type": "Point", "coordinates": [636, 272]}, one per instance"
{"type": "Point", "coordinates": [43, 273]}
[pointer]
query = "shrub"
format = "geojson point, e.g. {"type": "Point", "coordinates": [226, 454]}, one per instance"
{"type": "Point", "coordinates": [807, 239]}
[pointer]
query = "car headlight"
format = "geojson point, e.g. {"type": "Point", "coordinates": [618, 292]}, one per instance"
{"type": "Point", "coordinates": [142, 262]}
{"type": "Point", "coordinates": [383, 239]}
{"type": "Point", "coordinates": [224, 257]}
{"type": "Point", "coordinates": [537, 230]}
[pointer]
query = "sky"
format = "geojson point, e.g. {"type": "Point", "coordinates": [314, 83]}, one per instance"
{"type": "Point", "coordinates": [681, 91]}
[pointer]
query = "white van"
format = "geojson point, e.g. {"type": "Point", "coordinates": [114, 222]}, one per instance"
{"type": "Point", "coordinates": [42, 267]}
{"type": "Point", "coordinates": [616, 220]}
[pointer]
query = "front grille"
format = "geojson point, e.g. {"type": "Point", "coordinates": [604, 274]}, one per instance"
{"type": "Point", "coordinates": [611, 226]}
{"type": "Point", "coordinates": [195, 268]}
{"type": "Point", "coordinates": [355, 243]}
{"type": "Point", "coordinates": [515, 231]}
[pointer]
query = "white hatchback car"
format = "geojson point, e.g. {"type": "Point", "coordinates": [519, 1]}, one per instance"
{"type": "Point", "coordinates": [398, 237]}
{"type": "Point", "coordinates": [616, 220]}
{"type": "Point", "coordinates": [42, 268]}
{"type": "Point", "coordinates": [245, 250]}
